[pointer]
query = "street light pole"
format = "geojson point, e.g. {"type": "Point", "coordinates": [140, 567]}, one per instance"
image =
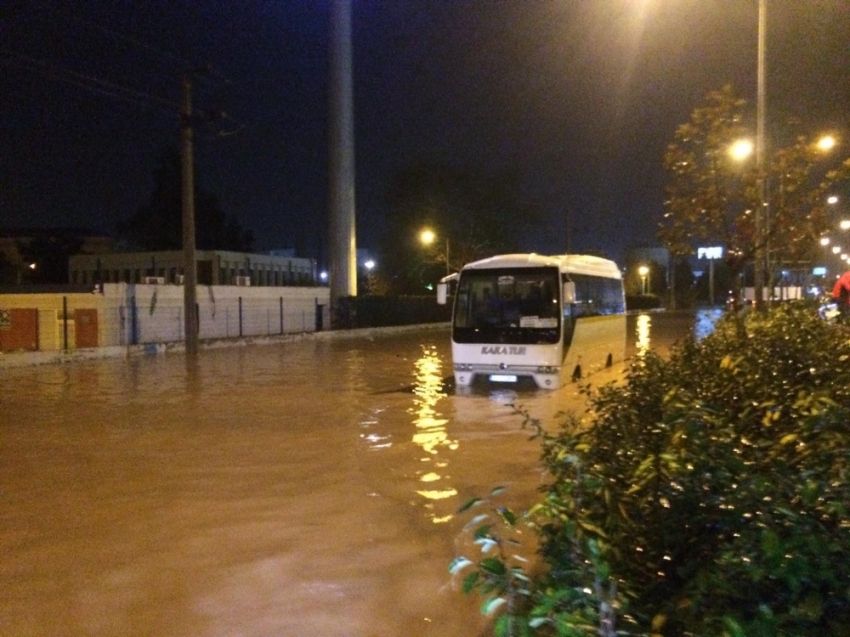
{"type": "Point", "coordinates": [643, 271]}
{"type": "Point", "coordinates": [761, 210]}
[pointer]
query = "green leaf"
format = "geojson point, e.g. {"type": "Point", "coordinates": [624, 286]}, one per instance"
{"type": "Point", "coordinates": [470, 581]}
{"type": "Point", "coordinates": [587, 526]}
{"type": "Point", "coordinates": [507, 515]}
{"type": "Point", "coordinates": [487, 544]}
{"type": "Point", "coordinates": [493, 565]}
{"type": "Point", "coordinates": [788, 438]}
{"type": "Point", "coordinates": [458, 564]}
{"type": "Point", "coordinates": [537, 622]}
{"type": "Point", "coordinates": [498, 491]}
{"type": "Point", "coordinates": [469, 504]}
{"type": "Point", "coordinates": [482, 531]}
{"type": "Point", "coordinates": [733, 627]}
{"type": "Point", "coordinates": [476, 520]}
{"type": "Point", "coordinates": [491, 605]}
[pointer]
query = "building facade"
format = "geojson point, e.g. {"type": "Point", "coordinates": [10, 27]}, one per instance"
{"type": "Point", "coordinates": [214, 267]}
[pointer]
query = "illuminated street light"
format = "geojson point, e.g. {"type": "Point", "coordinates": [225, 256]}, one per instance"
{"type": "Point", "coordinates": [369, 264]}
{"type": "Point", "coordinates": [428, 237]}
{"type": "Point", "coordinates": [643, 271]}
{"type": "Point", "coordinates": [845, 224]}
{"type": "Point", "coordinates": [741, 149]}
{"type": "Point", "coordinates": [826, 143]}
{"type": "Point", "coordinates": [824, 241]}
{"type": "Point", "coordinates": [836, 249]}
{"type": "Point", "coordinates": [832, 200]}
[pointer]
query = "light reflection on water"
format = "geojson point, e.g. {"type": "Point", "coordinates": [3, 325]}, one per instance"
{"type": "Point", "coordinates": [704, 322]}
{"type": "Point", "coordinates": [644, 322]}
{"type": "Point", "coordinates": [698, 324]}
{"type": "Point", "coordinates": [431, 433]}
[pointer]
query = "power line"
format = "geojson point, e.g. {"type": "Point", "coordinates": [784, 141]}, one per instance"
{"type": "Point", "coordinates": [88, 82]}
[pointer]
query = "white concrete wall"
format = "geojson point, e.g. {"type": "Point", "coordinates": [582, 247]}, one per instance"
{"type": "Point", "coordinates": [156, 311]}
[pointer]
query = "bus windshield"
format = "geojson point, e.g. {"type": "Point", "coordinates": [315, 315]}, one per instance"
{"type": "Point", "coordinates": [519, 305]}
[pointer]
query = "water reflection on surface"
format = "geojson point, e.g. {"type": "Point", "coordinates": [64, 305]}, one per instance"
{"type": "Point", "coordinates": [643, 324]}
{"type": "Point", "coordinates": [660, 332]}
{"type": "Point", "coordinates": [431, 432]}
{"type": "Point", "coordinates": [705, 320]}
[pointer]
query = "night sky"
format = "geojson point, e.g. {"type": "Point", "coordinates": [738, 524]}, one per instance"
{"type": "Point", "coordinates": [580, 96]}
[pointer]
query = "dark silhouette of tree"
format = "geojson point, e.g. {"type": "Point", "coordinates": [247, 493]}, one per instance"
{"type": "Point", "coordinates": [479, 215]}
{"type": "Point", "coordinates": [8, 271]}
{"type": "Point", "coordinates": [50, 254]}
{"type": "Point", "coordinates": [158, 225]}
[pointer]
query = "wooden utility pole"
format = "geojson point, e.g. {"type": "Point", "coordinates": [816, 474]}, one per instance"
{"type": "Point", "coordinates": [190, 271]}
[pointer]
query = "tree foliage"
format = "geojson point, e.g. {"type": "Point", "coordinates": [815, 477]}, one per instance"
{"type": "Point", "coordinates": [479, 215]}
{"type": "Point", "coordinates": [50, 255]}
{"type": "Point", "coordinates": [713, 197]}
{"type": "Point", "coordinates": [158, 225]}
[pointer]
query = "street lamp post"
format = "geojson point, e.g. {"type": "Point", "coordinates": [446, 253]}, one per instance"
{"type": "Point", "coordinates": [428, 237]}
{"type": "Point", "coordinates": [761, 209]}
{"type": "Point", "coordinates": [643, 271]}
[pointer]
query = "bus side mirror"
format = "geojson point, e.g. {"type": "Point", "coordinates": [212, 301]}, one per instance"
{"type": "Point", "coordinates": [569, 292]}
{"type": "Point", "coordinates": [442, 293]}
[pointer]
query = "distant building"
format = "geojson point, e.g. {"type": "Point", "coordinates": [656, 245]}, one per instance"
{"type": "Point", "coordinates": [214, 267]}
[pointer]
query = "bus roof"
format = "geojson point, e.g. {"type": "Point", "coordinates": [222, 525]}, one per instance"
{"type": "Point", "coordinates": [568, 263]}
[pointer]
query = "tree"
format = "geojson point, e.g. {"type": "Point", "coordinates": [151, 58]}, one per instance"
{"type": "Point", "coordinates": [9, 271]}
{"type": "Point", "coordinates": [712, 196]}
{"type": "Point", "coordinates": [158, 224]}
{"type": "Point", "coordinates": [478, 215]}
{"type": "Point", "coordinates": [49, 257]}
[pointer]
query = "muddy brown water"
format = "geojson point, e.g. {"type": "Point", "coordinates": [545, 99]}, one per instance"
{"type": "Point", "coordinates": [304, 489]}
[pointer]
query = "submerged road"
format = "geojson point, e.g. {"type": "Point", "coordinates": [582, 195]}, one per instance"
{"type": "Point", "coordinates": [304, 489]}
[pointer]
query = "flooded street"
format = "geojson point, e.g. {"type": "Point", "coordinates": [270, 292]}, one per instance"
{"type": "Point", "coordinates": [304, 488]}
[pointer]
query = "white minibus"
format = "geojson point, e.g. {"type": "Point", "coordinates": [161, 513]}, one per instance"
{"type": "Point", "coordinates": [532, 317]}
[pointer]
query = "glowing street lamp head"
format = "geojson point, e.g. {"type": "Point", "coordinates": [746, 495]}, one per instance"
{"type": "Point", "coordinates": [741, 149]}
{"type": "Point", "coordinates": [643, 270]}
{"type": "Point", "coordinates": [826, 143]}
{"type": "Point", "coordinates": [427, 237]}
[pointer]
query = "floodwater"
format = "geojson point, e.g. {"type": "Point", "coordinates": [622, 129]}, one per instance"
{"type": "Point", "coordinates": [305, 488]}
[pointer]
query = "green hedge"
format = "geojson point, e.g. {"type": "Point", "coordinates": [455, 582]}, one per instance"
{"type": "Point", "coordinates": [706, 495]}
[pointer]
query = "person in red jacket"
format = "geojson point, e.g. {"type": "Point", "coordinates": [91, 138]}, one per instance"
{"type": "Point", "coordinates": [841, 294]}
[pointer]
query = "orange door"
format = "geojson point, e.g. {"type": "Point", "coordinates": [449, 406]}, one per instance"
{"type": "Point", "coordinates": [18, 330]}
{"type": "Point", "coordinates": [85, 328]}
